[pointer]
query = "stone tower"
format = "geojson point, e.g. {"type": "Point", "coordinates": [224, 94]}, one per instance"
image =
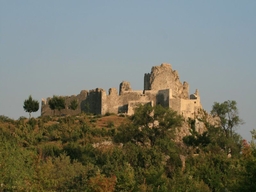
{"type": "Point", "coordinates": [163, 77]}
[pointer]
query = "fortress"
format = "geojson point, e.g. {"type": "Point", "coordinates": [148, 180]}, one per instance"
{"type": "Point", "coordinates": [161, 87]}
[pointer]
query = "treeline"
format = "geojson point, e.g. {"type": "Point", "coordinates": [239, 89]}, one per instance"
{"type": "Point", "coordinates": [72, 153]}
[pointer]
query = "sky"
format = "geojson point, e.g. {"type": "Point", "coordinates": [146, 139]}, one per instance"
{"type": "Point", "coordinates": [61, 47]}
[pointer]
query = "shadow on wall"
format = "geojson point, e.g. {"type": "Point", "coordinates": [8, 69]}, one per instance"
{"type": "Point", "coordinates": [123, 109]}
{"type": "Point", "coordinates": [85, 106]}
{"type": "Point", "coordinates": [160, 100]}
{"type": "Point", "coordinates": [92, 103]}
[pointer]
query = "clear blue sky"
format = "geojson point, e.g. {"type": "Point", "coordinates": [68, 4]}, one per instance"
{"type": "Point", "coordinates": [62, 47]}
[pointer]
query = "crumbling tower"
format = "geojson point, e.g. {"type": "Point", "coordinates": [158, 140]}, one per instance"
{"type": "Point", "coordinates": [163, 77]}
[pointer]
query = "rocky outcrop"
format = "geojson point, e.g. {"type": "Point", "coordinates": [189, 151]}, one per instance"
{"type": "Point", "coordinates": [163, 77]}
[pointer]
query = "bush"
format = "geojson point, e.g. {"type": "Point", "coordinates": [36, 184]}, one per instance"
{"type": "Point", "coordinates": [93, 120]}
{"type": "Point", "coordinates": [6, 119]}
{"type": "Point", "coordinates": [108, 114]}
{"type": "Point", "coordinates": [32, 122]}
{"type": "Point", "coordinates": [110, 124]}
{"type": "Point", "coordinates": [51, 150]}
{"type": "Point", "coordinates": [46, 119]}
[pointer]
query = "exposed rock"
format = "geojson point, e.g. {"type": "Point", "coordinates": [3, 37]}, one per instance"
{"type": "Point", "coordinates": [163, 77]}
{"type": "Point", "coordinates": [204, 116]}
{"type": "Point", "coordinates": [200, 127]}
{"type": "Point", "coordinates": [181, 132]}
{"type": "Point", "coordinates": [102, 144]}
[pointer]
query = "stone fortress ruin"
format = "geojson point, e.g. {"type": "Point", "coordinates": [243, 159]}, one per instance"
{"type": "Point", "coordinates": [161, 86]}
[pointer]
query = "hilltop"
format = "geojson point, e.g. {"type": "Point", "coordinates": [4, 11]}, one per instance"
{"type": "Point", "coordinates": [162, 86]}
{"type": "Point", "coordinates": [119, 153]}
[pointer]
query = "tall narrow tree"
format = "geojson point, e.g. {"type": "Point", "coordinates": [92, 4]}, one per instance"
{"type": "Point", "coordinates": [31, 105]}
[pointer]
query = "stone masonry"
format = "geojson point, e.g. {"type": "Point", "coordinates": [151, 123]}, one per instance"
{"type": "Point", "coordinates": [161, 86]}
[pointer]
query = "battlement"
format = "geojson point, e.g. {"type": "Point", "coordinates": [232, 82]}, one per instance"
{"type": "Point", "coordinates": [161, 87]}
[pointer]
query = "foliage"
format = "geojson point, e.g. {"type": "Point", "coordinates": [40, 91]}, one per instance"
{"type": "Point", "coordinates": [71, 154]}
{"type": "Point", "coordinates": [16, 165]}
{"type": "Point", "coordinates": [31, 105]}
{"type": "Point", "coordinates": [59, 173]}
{"type": "Point", "coordinates": [110, 124]}
{"type": "Point", "coordinates": [108, 114]}
{"type": "Point", "coordinates": [150, 123]}
{"type": "Point", "coordinates": [186, 182]}
{"type": "Point", "coordinates": [100, 183]}
{"type": "Point", "coordinates": [228, 114]}
{"type": "Point", "coordinates": [247, 182]}
{"type": "Point", "coordinates": [214, 170]}
{"type": "Point", "coordinates": [196, 139]}
{"type": "Point", "coordinates": [6, 119]}
{"type": "Point", "coordinates": [73, 104]}
{"type": "Point", "coordinates": [57, 102]}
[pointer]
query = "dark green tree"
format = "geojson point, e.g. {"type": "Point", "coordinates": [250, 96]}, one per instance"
{"type": "Point", "coordinates": [228, 114]}
{"type": "Point", "coordinates": [57, 102]}
{"type": "Point", "coordinates": [73, 104]}
{"type": "Point", "coordinates": [31, 105]}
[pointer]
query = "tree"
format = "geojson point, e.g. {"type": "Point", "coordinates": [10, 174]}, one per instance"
{"type": "Point", "coordinates": [228, 114]}
{"type": "Point", "coordinates": [31, 105]}
{"type": "Point", "coordinates": [57, 102]}
{"type": "Point", "coordinates": [73, 104]}
{"type": "Point", "coordinates": [247, 183]}
{"type": "Point", "coordinates": [150, 124]}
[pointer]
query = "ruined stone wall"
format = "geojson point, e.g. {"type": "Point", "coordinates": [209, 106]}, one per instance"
{"type": "Point", "coordinates": [175, 104]}
{"type": "Point", "coordinates": [147, 81]}
{"type": "Point", "coordinates": [45, 108]}
{"type": "Point", "coordinates": [188, 108]}
{"type": "Point", "coordinates": [124, 86]}
{"type": "Point", "coordinates": [128, 98]}
{"type": "Point", "coordinates": [88, 101]}
{"type": "Point", "coordinates": [161, 86]}
{"type": "Point", "coordinates": [152, 97]}
{"type": "Point", "coordinates": [110, 102]}
{"type": "Point", "coordinates": [114, 103]}
{"type": "Point", "coordinates": [132, 105]}
{"type": "Point", "coordinates": [92, 104]}
{"type": "Point", "coordinates": [163, 77]}
{"type": "Point", "coordinates": [163, 97]}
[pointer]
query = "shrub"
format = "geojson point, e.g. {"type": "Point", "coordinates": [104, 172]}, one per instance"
{"type": "Point", "coordinates": [108, 114]}
{"type": "Point", "coordinates": [51, 150]}
{"type": "Point", "coordinates": [6, 119]}
{"type": "Point", "coordinates": [32, 122]}
{"type": "Point", "coordinates": [110, 124]}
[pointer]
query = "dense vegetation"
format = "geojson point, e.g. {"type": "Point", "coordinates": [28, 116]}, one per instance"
{"type": "Point", "coordinates": [110, 153]}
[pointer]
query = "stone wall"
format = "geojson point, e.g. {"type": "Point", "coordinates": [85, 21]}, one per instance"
{"type": "Point", "coordinates": [88, 101]}
{"type": "Point", "coordinates": [45, 108]}
{"type": "Point", "coordinates": [114, 103]}
{"type": "Point", "coordinates": [163, 97]}
{"type": "Point", "coordinates": [132, 105]}
{"type": "Point", "coordinates": [161, 86]}
{"type": "Point", "coordinates": [92, 104]}
{"type": "Point", "coordinates": [189, 108]}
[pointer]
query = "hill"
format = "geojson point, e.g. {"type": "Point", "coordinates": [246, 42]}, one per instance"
{"type": "Point", "coordinates": [115, 153]}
